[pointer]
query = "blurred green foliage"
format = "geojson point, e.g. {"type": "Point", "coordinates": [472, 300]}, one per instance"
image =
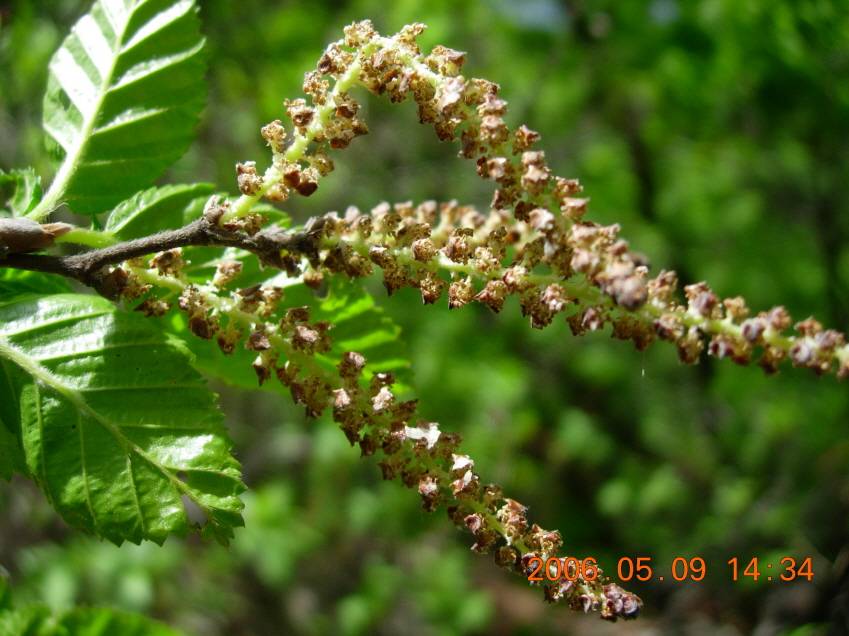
{"type": "Point", "coordinates": [716, 134]}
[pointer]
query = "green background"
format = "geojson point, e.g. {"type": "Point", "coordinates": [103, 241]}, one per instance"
{"type": "Point", "coordinates": [715, 133]}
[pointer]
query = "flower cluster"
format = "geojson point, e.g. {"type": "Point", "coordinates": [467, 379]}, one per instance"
{"type": "Point", "coordinates": [581, 270]}
{"type": "Point", "coordinates": [533, 243]}
{"type": "Point", "coordinates": [288, 345]}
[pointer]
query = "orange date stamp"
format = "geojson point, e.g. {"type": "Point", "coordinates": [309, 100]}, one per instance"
{"type": "Point", "coordinates": [643, 569]}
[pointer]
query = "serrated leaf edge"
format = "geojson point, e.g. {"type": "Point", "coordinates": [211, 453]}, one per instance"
{"type": "Point", "coordinates": [45, 377]}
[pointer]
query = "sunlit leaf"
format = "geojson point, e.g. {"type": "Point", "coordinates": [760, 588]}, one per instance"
{"type": "Point", "coordinates": [123, 98]}
{"type": "Point", "coordinates": [118, 430]}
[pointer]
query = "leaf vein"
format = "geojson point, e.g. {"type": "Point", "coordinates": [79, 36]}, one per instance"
{"type": "Point", "coordinates": [52, 323]}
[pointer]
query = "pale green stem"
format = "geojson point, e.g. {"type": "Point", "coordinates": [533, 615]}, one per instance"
{"type": "Point", "coordinates": [574, 288]}
{"type": "Point", "coordinates": [89, 238]}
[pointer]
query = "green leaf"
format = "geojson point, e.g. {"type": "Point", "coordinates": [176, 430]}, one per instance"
{"type": "Point", "coordinates": [116, 427]}
{"type": "Point", "coordinates": [154, 209]}
{"type": "Point", "coordinates": [359, 324]}
{"type": "Point", "coordinates": [171, 206]}
{"type": "Point", "coordinates": [21, 190]}
{"type": "Point", "coordinates": [37, 621]}
{"type": "Point", "coordinates": [14, 282]}
{"type": "Point", "coordinates": [12, 459]}
{"type": "Point", "coordinates": [105, 622]}
{"type": "Point", "coordinates": [27, 621]}
{"type": "Point", "coordinates": [124, 95]}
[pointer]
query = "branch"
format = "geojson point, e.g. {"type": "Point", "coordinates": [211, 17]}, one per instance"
{"type": "Point", "coordinates": [90, 268]}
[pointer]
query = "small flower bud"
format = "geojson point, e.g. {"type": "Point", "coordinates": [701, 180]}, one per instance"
{"type": "Point", "coordinates": [275, 136]}
{"type": "Point", "coordinates": [493, 131]}
{"type": "Point", "coordinates": [736, 308]}
{"type": "Point", "coordinates": [702, 300]}
{"type": "Point", "coordinates": [429, 491]}
{"type": "Point", "coordinates": [524, 138]}
{"type": "Point", "coordinates": [753, 329]}
{"type": "Point", "coordinates": [573, 208]}
{"type": "Point", "coordinates": [258, 341]}
{"type": "Point", "coordinates": [299, 112]}
{"type": "Point", "coordinates": [458, 248]}
{"type": "Point", "coordinates": [202, 327]}
{"type": "Point", "coordinates": [153, 307]}
{"type": "Point", "coordinates": [359, 33]}
{"type": "Point", "coordinates": [426, 433]}
{"type": "Point", "coordinates": [778, 319]}
{"type": "Point", "coordinates": [669, 327]}
{"type": "Point", "coordinates": [169, 263]}
{"type": "Point", "coordinates": [352, 365]}
{"type": "Point", "coordinates": [466, 484]}
{"type": "Point", "coordinates": [247, 179]}
{"type": "Point", "coordinates": [316, 87]}
{"type": "Point", "coordinates": [383, 400]}
{"type": "Point", "coordinates": [493, 295]}
{"type": "Point", "coordinates": [618, 603]}
{"type": "Point", "coordinates": [771, 358]}
{"type": "Point", "coordinates": [507, 557]}
{"type": "Point", "coordinates": [809, 327]}
{"type": "Point", "coordinates": [305, 338]}
{"type": "Point", "coordinates": [423, 250]}
{"type": "Point", "coordinates": [513, 516]}
{"type": "Point", "coordinates": [536, 174]}
{"type": "Point", "coordinates": [722, 346]}
{"type": "Point", "coordinates": [662, 287]}
{"type": "Point", "coordinates": [228, 338]}
{"type": "Point", "coordinates": [226, 272]}
{"type": "Point", "coordinates": [460, 292]}
{"type": "Point", "coordinates": [431, 286]}
{"type": "Point", "coordinates": [500, 170]}
{"type": "Point", "coordinates": [461, 463]}
{"type": "Point", "coordinates": [690, 346]}
{"type": "Point", "coordinates": [262, 366]}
